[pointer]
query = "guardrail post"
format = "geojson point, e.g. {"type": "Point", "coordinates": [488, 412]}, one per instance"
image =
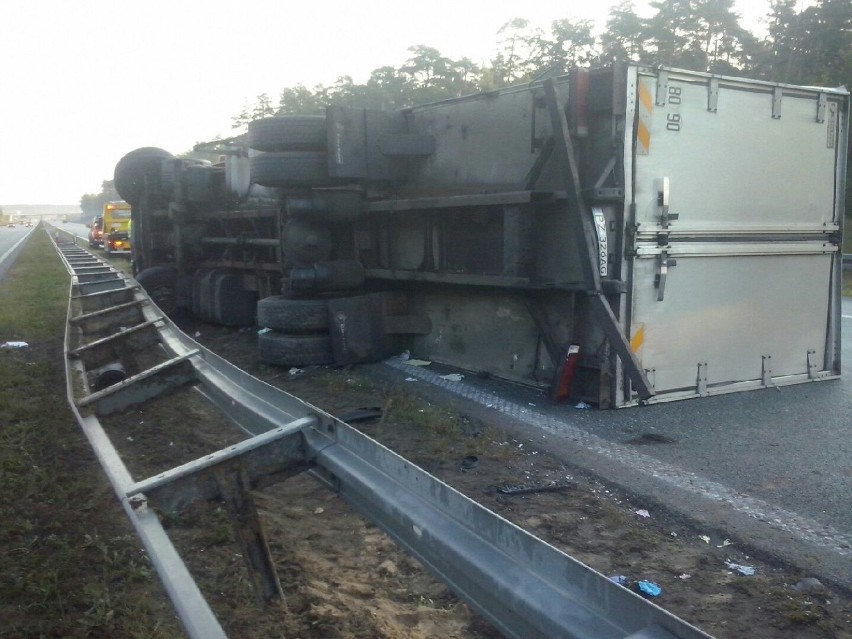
{"type": "Point", "coordinates": [233, 487]}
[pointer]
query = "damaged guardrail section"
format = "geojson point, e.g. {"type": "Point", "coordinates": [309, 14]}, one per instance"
{"type": "Point", "coordinates": [525, 587]}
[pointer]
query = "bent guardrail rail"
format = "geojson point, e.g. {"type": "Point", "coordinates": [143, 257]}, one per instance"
{"type": "Point", "coordinates": [525, 587]}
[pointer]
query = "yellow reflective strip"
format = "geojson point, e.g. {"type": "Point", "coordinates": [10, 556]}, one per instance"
{"type": "Point", "coordinates": [645, 97]}
{"type": "Point", "coordinates": [638, 339]}
{"type": "Point", "coordinates": [645, 109]}
{"type": "Point", "coordinates": [644, 137]}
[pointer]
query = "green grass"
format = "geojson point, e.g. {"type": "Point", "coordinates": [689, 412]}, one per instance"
{"type": "Point", "coordinates": [70, 565]}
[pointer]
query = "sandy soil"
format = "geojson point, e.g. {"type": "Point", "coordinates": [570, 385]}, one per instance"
{"type": "Point", "coordinates": [342, 577]}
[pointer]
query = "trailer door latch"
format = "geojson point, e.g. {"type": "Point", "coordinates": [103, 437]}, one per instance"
{"type": "Point", "coordinates": [662, 273]}
{"type": "Point", "coordinates": [663, 199]}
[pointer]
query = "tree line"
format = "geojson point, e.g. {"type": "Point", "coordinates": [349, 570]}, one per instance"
{"type": "Point", "coordinates": [812, 46]}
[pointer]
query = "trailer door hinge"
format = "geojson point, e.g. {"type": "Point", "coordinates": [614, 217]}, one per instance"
{"type": "Point", "coordinates": [701, 380]}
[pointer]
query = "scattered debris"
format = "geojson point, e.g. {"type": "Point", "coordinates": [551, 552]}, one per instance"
{"type": "Point", "coordinates": [410, 379]}
{"type": "Point", "coordinates": [417, 362]}
{"type": "Point", "coordinates": [746, 571]}
{"type": "Point", "coordinates": [643, 513]}
{"type": "Point", "coordinates": [469, 462]}
{"type": "Point", "coordinates": [583, 405]}
{"type": "Point", "coordinates": [319, 510]}
{"type": "Point", "coordinates": [649, 588]}
{"type": "Point", "coordinates": [621, 580]}
{"type": "Point", "coordinates": [452, 377]}
{"type": "Point", "coordinates": [727, 542]}
{"type": "Point", "coordinates": [14, 345]}
{"type": "Point", "coordinates": [684, 576]}
{"type": "Point", "coordinates": [526, 489]}
{"type": "Point", "coordinates": [295, 371]}
{"type": "Point", "coordinates": [704, 538]}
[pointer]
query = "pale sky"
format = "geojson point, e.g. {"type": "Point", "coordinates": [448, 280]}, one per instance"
{"type": "Point", "coordinates": [82, 82]}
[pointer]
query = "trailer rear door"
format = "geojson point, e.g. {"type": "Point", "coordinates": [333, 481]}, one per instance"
{"type": "Point", "coordinates": [735, 232]}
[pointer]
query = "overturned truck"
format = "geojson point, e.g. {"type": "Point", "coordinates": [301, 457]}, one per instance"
{"type": "Point", "coordinates": [618, 235]}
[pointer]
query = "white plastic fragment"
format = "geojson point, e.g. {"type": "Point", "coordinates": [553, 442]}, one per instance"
{"type": "Point", "coordinates": [452, 377]}
{"type": "Point", "coordinates": [410, 379]}
{"type": "Point", "coordinates": [643, 513]}
{"type": "Point", "coordinates": [417, 362]}
{"type": "Point", "coordinates": [262, 331]}
{"type": "Point", "coordinates": [295, 371]}
{"type": "Point", "coordinates": [583, 406]}
{"type": "Point", "coordinates": [746, 571]}
{"type": "Point", "coordinates": [704, 538]}
{"type": "Point", "coordinates": [14, 345]}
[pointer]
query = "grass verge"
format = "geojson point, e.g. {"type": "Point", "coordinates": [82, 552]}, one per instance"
{"type": "Point", "coordinates": [70, 565]}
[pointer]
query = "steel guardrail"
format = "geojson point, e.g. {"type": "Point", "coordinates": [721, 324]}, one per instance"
{"type": "Point", "coordinates": [524, 586]}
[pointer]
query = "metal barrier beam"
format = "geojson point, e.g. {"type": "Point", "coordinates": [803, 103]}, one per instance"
{"type": "Point", "coordinates": [527, 588]}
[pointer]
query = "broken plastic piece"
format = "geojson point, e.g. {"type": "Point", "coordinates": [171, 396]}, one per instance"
{"type": "Point", "coordinates": [704, 538]}
{"type": "Point", "coordinates": [262, 331]}
{"type": "Point", "coordinates": [526, 489]}
{"type": "Point", "coordinates": [14, 345]}
{"type": "Point", "coordinates": [649, 588]}
{"type": "Point", "coordinates": [452, 377]}
{"type": "Point", "coordinates": [746, 571]}
{"type": "Point", "coordinates": [621, 580]}
{"type": "Point", "coordinates": [583, 405]}
{"type": "Point", "coordinates": [643, 513]}
{"type": "Point", "coordinates": [417, 362]}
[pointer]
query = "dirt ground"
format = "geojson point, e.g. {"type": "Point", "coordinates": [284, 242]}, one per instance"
{"type": "Point", "coordinates": [342, 577]}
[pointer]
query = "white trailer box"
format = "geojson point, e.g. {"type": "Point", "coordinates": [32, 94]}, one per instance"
{"type": "Point", "coordinates": [623, 234]}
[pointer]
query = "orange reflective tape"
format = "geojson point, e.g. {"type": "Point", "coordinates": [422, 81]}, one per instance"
{"type": "Point", "coordinates": [638, 339]}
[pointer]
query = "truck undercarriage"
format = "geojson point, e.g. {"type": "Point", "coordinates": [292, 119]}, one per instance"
{"type": "Point", "coordinates": [530, 233]}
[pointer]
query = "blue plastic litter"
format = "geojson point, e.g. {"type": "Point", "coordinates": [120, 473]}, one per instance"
{"type": "Point", "coordinates": [649, 588]}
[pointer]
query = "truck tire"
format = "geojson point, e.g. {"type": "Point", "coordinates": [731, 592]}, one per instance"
{"type": "Point", "coordinates": [133, 169]}
{"type": "Point", "coordinates": [290, 168]}
{"type": "Point", "coordinates": [292, 315]}
{"type": "Point", "coordinates": [294, 350]}
{"type": "Point", "coordinates": [288, 133]}
{"type": "Point", "coordinates": [159, 283]}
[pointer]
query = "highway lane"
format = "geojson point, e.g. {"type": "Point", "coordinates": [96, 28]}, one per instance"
{"type": "Point", "coordinates": [770, 467]}
{"type": "Point", "coordinates": [10, 242]}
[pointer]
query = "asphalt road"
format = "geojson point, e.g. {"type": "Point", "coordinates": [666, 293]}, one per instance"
{"type": "Point", "coordinates": [772, 468]}
{"type": "Point", "coordinates": [10, 241]}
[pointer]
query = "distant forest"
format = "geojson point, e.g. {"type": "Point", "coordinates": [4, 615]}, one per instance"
{"type": "Point", "coordinates": [812, 47]}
